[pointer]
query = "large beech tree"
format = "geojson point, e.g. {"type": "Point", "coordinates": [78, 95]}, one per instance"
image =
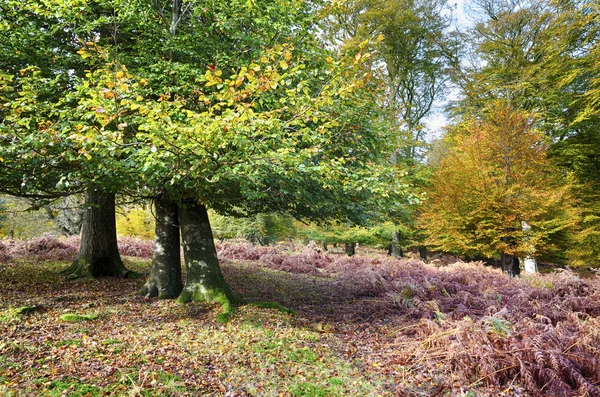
{"type": "Point", "coordinates": [542, 56]}
{"type": "Point", "coordinates": [40, 69]}
{"type": "Point", "coordinates": [495, 176]}
{"type": "Point", "coordinates": [235, 107]}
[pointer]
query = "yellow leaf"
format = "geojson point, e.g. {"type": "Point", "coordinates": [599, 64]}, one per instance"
{"type": "Point", "coordinates": [381, 37]}
{"type": "Point", "coordinates": [120, 75]}
{"type": "Point", "coordinates": [218, 73]}
{"type": "Point", "coordinates": [284, 65]}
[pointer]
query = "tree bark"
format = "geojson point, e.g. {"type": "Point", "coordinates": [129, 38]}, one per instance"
{"type": "Point", "coordinates": [164, 281]}
{"type": "Point", "coordinates": [324, 245]}
{"type": "Point", "coordinates": [349, 248]}
{"type": "Point", "coordinates": [396, 249]}
{"type": "Point", "coordinates": [204, 279]}
{"type": "Point", "coordinates": [98, 250]}
{"type": "Point", "coordinates": [511, 265]}
{"type": "Point", "coordinates": [422, 253]}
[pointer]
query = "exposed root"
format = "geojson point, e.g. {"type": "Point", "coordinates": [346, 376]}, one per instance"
{"type": "Point", "coordinates": [200, 293]}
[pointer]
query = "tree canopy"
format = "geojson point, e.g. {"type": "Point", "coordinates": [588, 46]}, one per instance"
{"type": "Point", "coordinates": [497, 176]}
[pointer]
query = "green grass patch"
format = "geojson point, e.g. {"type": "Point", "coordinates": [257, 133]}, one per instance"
{"type": "Point", "coordinates": [72, 388]}
{"type": "Point", "coordinates": [69, 342]}
{"type": "Point", "coordinates": [307, 389]}
{"type": "Point", "coordinates": [303, 355]}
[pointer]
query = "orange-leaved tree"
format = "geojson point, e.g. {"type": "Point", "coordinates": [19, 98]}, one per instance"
{"type": "Point", "coordinates": [496, 178]}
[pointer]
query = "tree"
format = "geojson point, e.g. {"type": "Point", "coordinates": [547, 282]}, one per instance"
{"type": "Point", "coordinates": [67, 214]}
{"type": "Point", "coordinates": [206, 107]}
{"type": "Point", "coordinates": [495, 176]}
{"type": "Point", "coordinates": [2, 212]}
{"type": "Point", "coordinates": [294, 155]}
{"type": "Point", "coordinates": [412, 47]}
{"type": "Point", "coordinates": [542, 56]}
{"type": "Point", "coordinates": [38, 159]}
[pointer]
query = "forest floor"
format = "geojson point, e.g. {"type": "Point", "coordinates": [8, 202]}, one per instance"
{"type": "Point", "coordinates": [363, 326]}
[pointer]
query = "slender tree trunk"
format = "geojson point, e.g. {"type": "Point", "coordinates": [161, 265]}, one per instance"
{"type": "Point", "coordinates": [164, 281]}
{"type": "Point", "coordinates": [422, 253]}
{"type": "Point", "coordinates": [349, 248]}
{"type": "Point", "coordinates": [510, 265]}
{"type": "Point", "coordinates": [396, 249]}
{"type": "Point", "coordinates": [98, 250]}
{"type": "Point", "coordinates": [324, 245]}
{"type": "Point", "coordinates": [204, 279]}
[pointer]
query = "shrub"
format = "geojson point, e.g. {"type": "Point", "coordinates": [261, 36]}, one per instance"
{"type": "Point", "coordinates": [51, 248]}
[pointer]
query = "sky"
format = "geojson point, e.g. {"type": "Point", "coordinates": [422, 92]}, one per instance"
{"type": "Point", "coordinates": [437, 121]}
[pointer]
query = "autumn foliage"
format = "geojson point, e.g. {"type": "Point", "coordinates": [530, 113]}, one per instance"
{"type": "Point", "coordinates": [495, 176]}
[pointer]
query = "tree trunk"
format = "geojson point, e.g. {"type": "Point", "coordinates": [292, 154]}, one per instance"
{"type": "Point", "coordinates": [98, 250]}
{"type": "Point", "coordinates": [511, 265]}
{"type": "Point", "coordinates": [324, 245]}
{"type": "Point", "coordinates": [204, 280]}
{"type": "Point", "coordinates": [530, 265]}
{"type": "Point", "coordinates": [164, 281]}
{"type": "Point", "coordinates": [396, 249]}
{"type": "Point", "coordinates": [422, 253]}
{"type": "Point", "coordinates": [349, 248]}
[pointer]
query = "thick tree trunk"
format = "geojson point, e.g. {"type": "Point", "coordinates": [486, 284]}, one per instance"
{"type": "Point", "coordinates": [204, 279]}
{"type": "Point", "coordinates": [349, 248]}
{"type": "Point", "coordinates": [164, 281]}
{"type": "Point", "coordinates": [98, 250]}
{"type": "Point", "coordinates": [396, 249]}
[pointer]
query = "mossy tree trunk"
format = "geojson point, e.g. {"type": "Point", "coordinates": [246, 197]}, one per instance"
{"type": "Point", "coordinates": [164, 281]}
{"type": "Point", "coordinates": [98, 250]}
{"type": "Point", "coordinates": [204, 279]}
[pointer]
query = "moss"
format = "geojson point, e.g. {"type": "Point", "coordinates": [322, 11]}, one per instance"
{"type": "Point", "coordinates": [16, 312]}
{"type": "Point", "coordinates": [24, 310]}
{"type": "Point", "coordinates": [223, 317]}
{"type": "Point", "coordinates": [198, 293]}
{"type": "Point", "coordinates": [184, 297]}
{"type": "Point", "coordinates": [73, 317]}
{"type": "Point", "coordinates": [272, 305]}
